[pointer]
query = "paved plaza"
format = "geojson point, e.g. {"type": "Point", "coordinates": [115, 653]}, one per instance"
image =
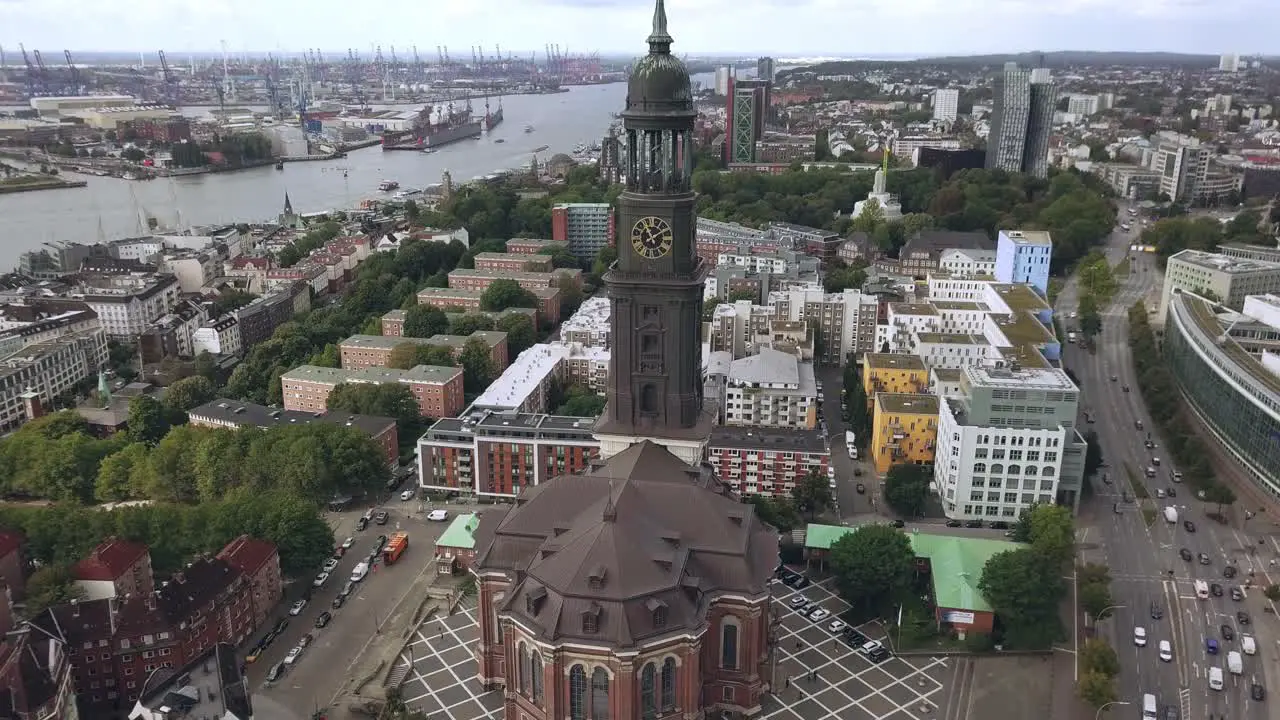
{"type": "Point", "coordinates": [844, 683]}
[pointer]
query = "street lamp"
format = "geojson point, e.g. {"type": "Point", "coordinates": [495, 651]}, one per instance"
{"type": "Point", "coordinates": [1107, 705]}
{"type": "Point", "coordinates": [1104, 610]}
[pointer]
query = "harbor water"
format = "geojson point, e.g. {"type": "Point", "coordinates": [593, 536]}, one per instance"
{"type": "Point", "coordinates": [111, 208]}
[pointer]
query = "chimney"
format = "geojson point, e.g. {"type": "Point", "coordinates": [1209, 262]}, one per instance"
{"type": "Point", "coordinates": [31, 405]}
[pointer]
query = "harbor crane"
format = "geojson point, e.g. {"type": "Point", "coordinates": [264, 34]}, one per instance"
{"type": "Point", "coordinates": [171, 93]}
{"type": "Point", "coordinates": [77, 85]}
{"type": "Point", "coordinates": [33, 74]}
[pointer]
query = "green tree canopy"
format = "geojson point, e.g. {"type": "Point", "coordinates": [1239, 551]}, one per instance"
{"type": "Point", "coordinates": [424, 321]}
{"type": "Point", "coordinates": [521, 333]}
{"type": "Point", "coordinates": [392, 400]}
{"type": "Point", "coordinates": [408, 355]}
{"type": "Point", "coordinates": [906, 488]}
{"type": "Point", "coordinates": [581, 402]}
{"type": "Point", "coordinates": [812, 494]}
{"type": "Point", "coordinates": [1024, 591]}
{"type": "Point", "coordinates": [471, 322]}
{"type": "Point", "coordinates": [51, 585]}
{"type": "Point", "coordinates": [189, 393]}
{"type": "Point", "coordinates": [477, 365]}
{"type": "Point", "coordinates": [872, 566]}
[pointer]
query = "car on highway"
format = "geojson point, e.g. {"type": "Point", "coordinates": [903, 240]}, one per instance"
{"type": "Point", "coordinates": [1237, 594]}
{"type": "Point", "coordinates": [1186, 554]}
{"type": "Point", "coordinates": [1242, 617]}
{"type": "Point", "coordinates": [799, 601]}
{"type": "Point", "coordinates": [1227, 632]}
{"type": "Point", "coordinates": [1190, 526]}
{"type": "Point", "coordinates": [1229, 571]}
{"type": "Point", "coordinates": [1156, 612]}
{"type": "Point", "coordinates": [1166, 651]}
{"type": "Point", "coordinates": [330, 565]}
{"type": "Point", "coordinates": [1211, 646]}
{"type": "Point", "coordinates": [276, 672]}
{"type": "Point", "coordinates": [323, 619]}
{"type": "Point", "coordinates": [1125, 388]}
{"type": "Point", "coordinates": [296, 608]}
{"type": "Point", "coordinates": [382, 517]}
{"type": "Point", "coordinates": [438, 515]}
{"type": "Point", "coordinates": [1257, 692]}
{"type": "Point", "coordinates": [1171, 492]}
{"type": "Point", "coordinates": [1204, 559]}
{"type": "Point", "coordinates": [1177, 476]}
{"type": "Point", "coordinates": [1140, 636]}
{"type": "Point", "coordinates": [836, 626]}
{"type": "Point", "coordinates": [320, 580]}
{"type": "Point", "coordinates": [1216, 589]}
{"type": "Point", "coordinates": [1114, 378]}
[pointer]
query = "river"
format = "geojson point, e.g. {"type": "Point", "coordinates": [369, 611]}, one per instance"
{"type": "Point", "coordinates": [112, 208]}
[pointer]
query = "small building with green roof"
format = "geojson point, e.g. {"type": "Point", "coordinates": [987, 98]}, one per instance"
{"type": "Point", "coordinates": [954, 565]}
{"type": "Point", "coordinates": [456, 547]}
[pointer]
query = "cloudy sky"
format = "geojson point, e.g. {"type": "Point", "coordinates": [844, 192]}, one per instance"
{"type": "Point", "coordinates": [780, 27]}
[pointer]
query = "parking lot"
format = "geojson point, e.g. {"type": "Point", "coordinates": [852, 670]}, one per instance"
{"type": "Point", "coordinates": [442, 683]}
{"type": "Point", "coordinates": [824, 677]}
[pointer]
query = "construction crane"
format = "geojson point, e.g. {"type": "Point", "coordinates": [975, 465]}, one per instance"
{"type": "Point", "coordinates": [170, 93]}
{"type": "Point", "coordinates": [273, 90]}
{"type": "Point", "coordinates": [33, 75]}
{"type": "Point", "coordinates": [76, 86]}
{"type": "Point", "coordinates": [42, 74]}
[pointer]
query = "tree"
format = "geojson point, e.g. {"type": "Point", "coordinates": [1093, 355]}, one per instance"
{"type": "Point", "coordinates": [1024, 591]}
{"type": "Point", "coordinates": [189, 393]}
{"type": "Point", "coordinates": [477, 365]}
{"type": "Point", "coordinates": [906, 488]}
{"type": "Point", "coordinates": [409, 355]}
{"type": "Point", "coordinates": [1096, 656]}
{"type": "Point", "coordinates": [1053, 532]}
{"type": "Point", "coordinates": [1094, 598]}
{"type": "Point", "coordinates": [51, 585]}
{"type": "Point", "coordinates": [411, 211]}
{"type": "Point", "coordinates": [1097, 689]}
{"type": "Point", "coordinates": [872, 565]}
{"type": "Point", "coordinates": [389, 400]}
{"type": "Point", "coordinates": [1090, 318]}
{"type": "Point", "coordinates": [521, 333]}
{"type": "Point", "coordinates": [503, 293]}
{"type": "Point", "coordinates": [1093, 458]}
{"type": "Point", "coordinates": [1220, 494]}
{"type": "Point", "coordinates": [779, 512]}
{"type": "Point", "coordinates": [206, 365]}
{"type": "Point", "coordinates": [469, 323]}
{"type": "Point", "coordinates": [871, 217]}
{"type": "Point", "coordinates": [424, 321]}
{"type": "Point", "coordinates": [147, 421]}
{"type": "Point", "coordinates": [581, 402]}
{"type": "Point", "coordinates": [812, 494]}
{"type": "Point", "coordinates": [125, 475]}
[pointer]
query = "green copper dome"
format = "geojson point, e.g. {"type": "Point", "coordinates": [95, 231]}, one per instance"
{"type": "Point", "coordinates": [659, 84]}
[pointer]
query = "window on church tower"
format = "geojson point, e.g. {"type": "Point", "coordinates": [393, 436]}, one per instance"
{"type": "Point", "coordinates": [669, 684]}
{"type": "Point", "coordinates": [648, 704]}
{"type": "Point", "coordinates": [729, 646]}
{"type": "Point", "coordinates": [649, 345]}
{"type": "Point", "coordinates": [648, 399]}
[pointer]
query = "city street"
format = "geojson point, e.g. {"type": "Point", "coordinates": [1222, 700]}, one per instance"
{"type": "Point", "coordinates": [852, 504]}
{"type": "Point", "coordinates": [1147, 573]}
{"type": "Point", "coordinates": [325, 665]}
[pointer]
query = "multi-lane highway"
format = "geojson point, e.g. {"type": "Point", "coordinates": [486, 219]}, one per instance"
{"type": "Point", "coordinates": [1149, 577]}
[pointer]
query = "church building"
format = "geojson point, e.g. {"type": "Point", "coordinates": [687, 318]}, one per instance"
{"type": "Point", "coordinates": [639, 589]}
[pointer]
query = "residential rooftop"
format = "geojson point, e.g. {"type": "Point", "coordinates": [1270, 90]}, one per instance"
{"type": "Point", "coordinates": [907, 403]}
{"type": "Point", "coordinates": [337, 376]}
{"type": "Point", "coordinates": [893, 361]}
{"type": "Point", "coordinates": [905, 308]}
{"type": "Point", "coordinates": [747, 438]}
{"type": "Point", "coordinates": [234, 412]}
{"type": "Point", "coordinates": [960, 305]}
{"type": "Point", "coordinates": [1020, 298]}
{"type": "Point", "coordinates": [951, 339]}
{"type": "Point", "coordinates": [1223, 263]}
{"type": "Point", "coordinates": [1022, 378]}
{"type": "Point", "coordinates": [1028, 237]}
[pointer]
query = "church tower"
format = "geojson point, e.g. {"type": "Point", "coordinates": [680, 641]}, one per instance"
{"type": "Point", "coordinates": [655, 287]}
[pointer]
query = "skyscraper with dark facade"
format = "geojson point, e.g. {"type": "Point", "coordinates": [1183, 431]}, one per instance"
{"type": "Point", "coordinates": [1021, 121]}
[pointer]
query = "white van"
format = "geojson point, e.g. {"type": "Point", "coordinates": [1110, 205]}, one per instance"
{"type": "Point", "coordinates": [1215, 678]}
{"type": "Point", "coordinates": [1148, 707]}
{"type": "Point", "coordinates": [1248, 645]}
{"type": "Point", "coordinates": [1202, 590]}
{"type": "Point", "coordinates": [359, 572]}
{"type": "Point", "coordinates": [1235, 663]}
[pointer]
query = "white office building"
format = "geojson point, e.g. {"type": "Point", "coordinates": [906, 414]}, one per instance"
{"type": "Point", "coordinates": [946, 104]}
{"type": "Point", "coordinates": [1007, 441]}
{"type": "Point", "coordinates": [968, 262]}
{"type": "Point", "coordinates": [771, 389]}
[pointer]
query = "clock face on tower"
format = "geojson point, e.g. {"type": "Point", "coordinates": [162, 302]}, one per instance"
{"type": "Point", "coordinates": [651, 237]}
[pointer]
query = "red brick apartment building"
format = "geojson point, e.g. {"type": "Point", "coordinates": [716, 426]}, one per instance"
{"type": "Point", "coordinates": [766, 461]}
{"type": "Point", "coordinates": [503, 453]}
{"type": "Point", "coordinates": [366, 351]}
{"type": "Point", "coordinates": [481, 279]}
{"type": "Point", "coordinates": [513, 262]}
{"type": "Point", "coordinates": [115, 568]}
{"type": "Point", "coordinates": [35, 675]}
{"type": "Point", "coordinates": [114, 643]}
{"type": "Point", "coordinates": [258, 561]}
{"type": "Point", "coordinates": [534, 246]}
{"type": "Point", "coordinates": [453, 299]}
{"type": "Point", "coordinates": [234, 414]}
{"type": "Point", "coordinates": [12, 565]}
{"type": "Point", "coordinates": [393, 323]}
{"type": "Point", "coordinates": [437, 390]}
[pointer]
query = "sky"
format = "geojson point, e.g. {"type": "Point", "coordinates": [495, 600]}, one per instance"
{"type": "Point", "coordinates": [783, 28]}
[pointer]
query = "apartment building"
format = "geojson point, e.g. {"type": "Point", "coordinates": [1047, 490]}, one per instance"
{"type": "Point", "coordinates": [370, 351]}
{"type": "Point", "coordinates": [437, 390]}
{"type": "Point", "coordinates": [1008, 440]}
{"type": "Point", "coordinates": [922, 252]}
{"type": "Point", "coordinates": [260, 318]}
{"type": "Point", "coordinates": [967, 263]}
{"type": "Point", "coordinates": [892, 373]}
{"type": "Point", "coordinates": [909, 145]}
{"type": "Point", "coordinates": [1182, 162]}
{"type": "Point", "coordinates": [503, 453]}
{"type": "Point", "coordinates": [946, 104]}
{"type": "Point", "coordinates": [526, 385]}
{"type": "Point", "coordinates": [259, 563]}
{"type": "Point", "coordinates": [464, 279]}
{"type": "Point", "coordinates": [468, 300]}
{"type": "Point", "coordinates": [589, 324]}
{"type": "Point", "coordinates": [1022, 257]}
{"type": "Point", "coordinates": [844, 323]}
{"type": "Point", "coordinates": [769, 462]}
{"type": "Point", "coordinates": [32, 375]}
{"type": "Point", "coordinates": [192, 269]}
{"type": "Point", "coordinates": [1221, 278]}
{"type": "Point", "coordinates": [220, 337]}
{"type": "Point", "coordinates": [584, 227]}
{"type": "Point", "coordinates": [513, 262]}
{"type": "Point", "coordinates": [534, 246]}
{"type": "Point", "coordinates": [113, 569]}
{"type": "Point", "coordinates": [127, 303]}
{"type": "Point", "coordinates": [771, 389]}
{"type": "Point", "coordinates": [904, 429]}
{"type": "Point", "coordinates": [224, 413]}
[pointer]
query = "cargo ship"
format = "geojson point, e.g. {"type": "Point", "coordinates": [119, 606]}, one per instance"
{"type": "Point", "coordinates": [491, 119]}
{"type": "Point", "coordinates": [434, 128]}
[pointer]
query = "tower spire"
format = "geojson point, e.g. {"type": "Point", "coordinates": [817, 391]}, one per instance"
{"type": "Point", "coordinates": [660, 40]}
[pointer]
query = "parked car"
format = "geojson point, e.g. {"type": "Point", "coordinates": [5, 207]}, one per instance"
{"type": "Point", "coordinates": [323, 619]}
{"type": "Point", "coordinates": [348, 543]}
{"type": "Point", "coordinates": [407, 495]}
{"type": "Point", "coordinates": [276, 672]}
{"type": "Point", "coordinates": [330, 564]}
{"type": "Point", "coordinates": [320, 580]}
{"type": "Point", "coordinates": [1190, 526]}
{"type": "Point", "coordinates": [819, 614]}
{"type": "Point", "coordinates": [438, 515]}
{"type": "Point", "coordinates": [973, 524]}
{"type": "Point", "coordinates": [836, 626]}
{"type": "Point", "coordinates": [362, 523]}
{"type": "Point", "coordinates": [799, 601]}
{"type": "Point", "coordinates": [382, 517]}
{"type": "Point", "coordinates": [1242, 617]}
{"type": "Point", "coordinates": [294, 653]}
{"type": "Point", "coordinates": [338, 601]}
{"type": "Point", "coordinates": [1186, 554]}
{"type": "Point", "coordinates": [296, 608]}
{"type": "Point", "coordinates": [862, 489]}
{"type": "Point", "coordinates": [954, 523]}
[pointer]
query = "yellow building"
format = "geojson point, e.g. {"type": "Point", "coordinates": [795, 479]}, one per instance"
{"type": "Point", "coordinates": [904, 429]}
{"type": "Point", "coordinates": [892, 373]}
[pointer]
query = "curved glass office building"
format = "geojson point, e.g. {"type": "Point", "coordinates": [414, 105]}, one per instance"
{"type": "Point", "coordinates": [1228, 388]}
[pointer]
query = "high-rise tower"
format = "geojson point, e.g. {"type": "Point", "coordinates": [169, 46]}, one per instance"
{"type": "Point", "coordinates": [1021, 118]}
{"type": "Point", "coordinates": [655, 287]}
